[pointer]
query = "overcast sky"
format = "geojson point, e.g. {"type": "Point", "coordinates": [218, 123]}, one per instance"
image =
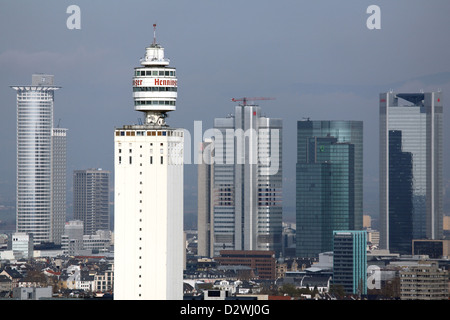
{"type": "Point", "coordinates": [318, 59]}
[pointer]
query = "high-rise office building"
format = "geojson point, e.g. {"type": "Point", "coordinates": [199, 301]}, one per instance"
{"type": "Point", "coordinates": [328, 183]}
{"type": "Point", "coordinates": [91, 199]}
{"type": "Point", "coordinates": [411, 188]}
{"type": "Point", "coordinates": [148, 187]}
{"type": "Point", "coordinates": [59, 182]}
{"type": "Point", "coordinates": [245, 182]}
{"type": "Point", "coordinates": [204, 200]}
{"type": "Point", "coordinates": [350, 261]}
{"type": "Point", "coordinates": [41, 158]}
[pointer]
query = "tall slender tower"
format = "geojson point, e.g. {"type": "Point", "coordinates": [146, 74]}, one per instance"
{"type": "Point", "coordinates": [411, 186]}
{"type": "Point", "coordinates": [204, 200]}
{"type": "Point", "coordinates": [59, 182]}
{"type": "Point", "coordinates": [350, 261]}
{"type": "Point", "coordinates": [41, 158]}
{"type": "Point", "coordinates": [148, 211]}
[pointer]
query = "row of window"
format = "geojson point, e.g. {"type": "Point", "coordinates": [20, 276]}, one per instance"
{"type": "Point", "coordinates": [153, 89]}
{"type": "Point", "coordinates": [130, 160]}
{"type": "Point", "coordinates": [153, 133]}
{"type": "Point", "coordinates": [154, 102]}
{"type": "Point", "coordinates": [160, 73]}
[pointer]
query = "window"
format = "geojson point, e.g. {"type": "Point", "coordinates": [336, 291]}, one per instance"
{"type": "Point", "coordinates": [162, 159]}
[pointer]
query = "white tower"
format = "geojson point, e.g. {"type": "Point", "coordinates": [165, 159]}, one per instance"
{"type": "Point", "coordinates": [148, 209]}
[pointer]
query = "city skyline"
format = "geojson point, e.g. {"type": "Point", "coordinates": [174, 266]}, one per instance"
{"type": "Point", "coordinates": [93, 70]}
{"type": "Point", "coordinates": [304, 67]}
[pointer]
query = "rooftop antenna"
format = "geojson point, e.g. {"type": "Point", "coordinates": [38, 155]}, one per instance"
{"type": "Point", "coordinates": [154, 34]}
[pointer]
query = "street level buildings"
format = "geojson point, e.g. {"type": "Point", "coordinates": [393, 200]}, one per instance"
{"type": "Point", "coordinates": [411, 187]}
{"type": "Point", "coordinates": [41, 163]}
{"type": "Point", "coordinates": [329, 175]}
{"type": "Point", "coordinates": [424, 281]}
{"type": "Point", "coordinates": [148, 210]}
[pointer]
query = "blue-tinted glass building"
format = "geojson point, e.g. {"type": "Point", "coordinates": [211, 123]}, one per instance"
{"type": "Point", "coordinates": [411, 192]}
{"type": "Point", "coordinates": [328, 183]}
{"type": "Point", "coordinates": [350, 261]}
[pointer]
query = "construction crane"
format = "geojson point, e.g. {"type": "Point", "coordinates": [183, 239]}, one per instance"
{"type": "Point", "coordinates": [245, 99]}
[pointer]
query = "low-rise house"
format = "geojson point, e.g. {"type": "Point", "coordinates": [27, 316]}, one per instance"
{"type": "Point", "coordinates": [13, 275]}
{"type": "Point", "coordinates": [78, 279]}
{"type": "Point", "coordinates": [5, 284]}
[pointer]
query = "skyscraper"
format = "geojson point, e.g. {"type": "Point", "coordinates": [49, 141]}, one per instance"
{"type": "Point", "coordinates": [350, 261]}
{"type": "Point", "coordinates": [59, 182]}
{"type": "Point", "coordinates": [148, 187]}
{"type": "Point", "coordinates": [411, 188]}
{"type": "Point", "coordinates": [91, 199]}
{"type": "Point", "coordinates": [328, 183]}
{"type": "Point", "coordinates": [41, 158]}
{"type": "Point", "coordinates": [204, 200]}
{"type": "Point", "coordinates": [246, 182]}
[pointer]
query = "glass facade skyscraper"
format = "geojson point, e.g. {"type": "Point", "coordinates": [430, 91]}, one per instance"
{"type": "Point", "coordinates": [328, 183]}
{"type": "Point", "coordinates": [411, 205]}
{"type": "Point", "coordinates": [41, 156]}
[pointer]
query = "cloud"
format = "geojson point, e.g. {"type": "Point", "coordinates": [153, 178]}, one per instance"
{"type": "Point", "coordinates": [50, 61]}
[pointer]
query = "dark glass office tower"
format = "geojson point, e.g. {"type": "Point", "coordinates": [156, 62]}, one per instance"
{"type": "Point", "coordinates": [329, 183]}
{"type": "Point", "coordinates": [400, 186]}
{"type": "Point", "coordinates": [411, 192]}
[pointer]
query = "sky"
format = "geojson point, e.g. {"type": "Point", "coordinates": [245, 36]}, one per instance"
{"type": "Point", "coordinates": [316, 59]}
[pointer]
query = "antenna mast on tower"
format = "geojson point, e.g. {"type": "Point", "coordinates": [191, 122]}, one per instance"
{"type": "Point", "coordinates": [245, 100]}
{"type": "Point", "coordinates": [154, 34]}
